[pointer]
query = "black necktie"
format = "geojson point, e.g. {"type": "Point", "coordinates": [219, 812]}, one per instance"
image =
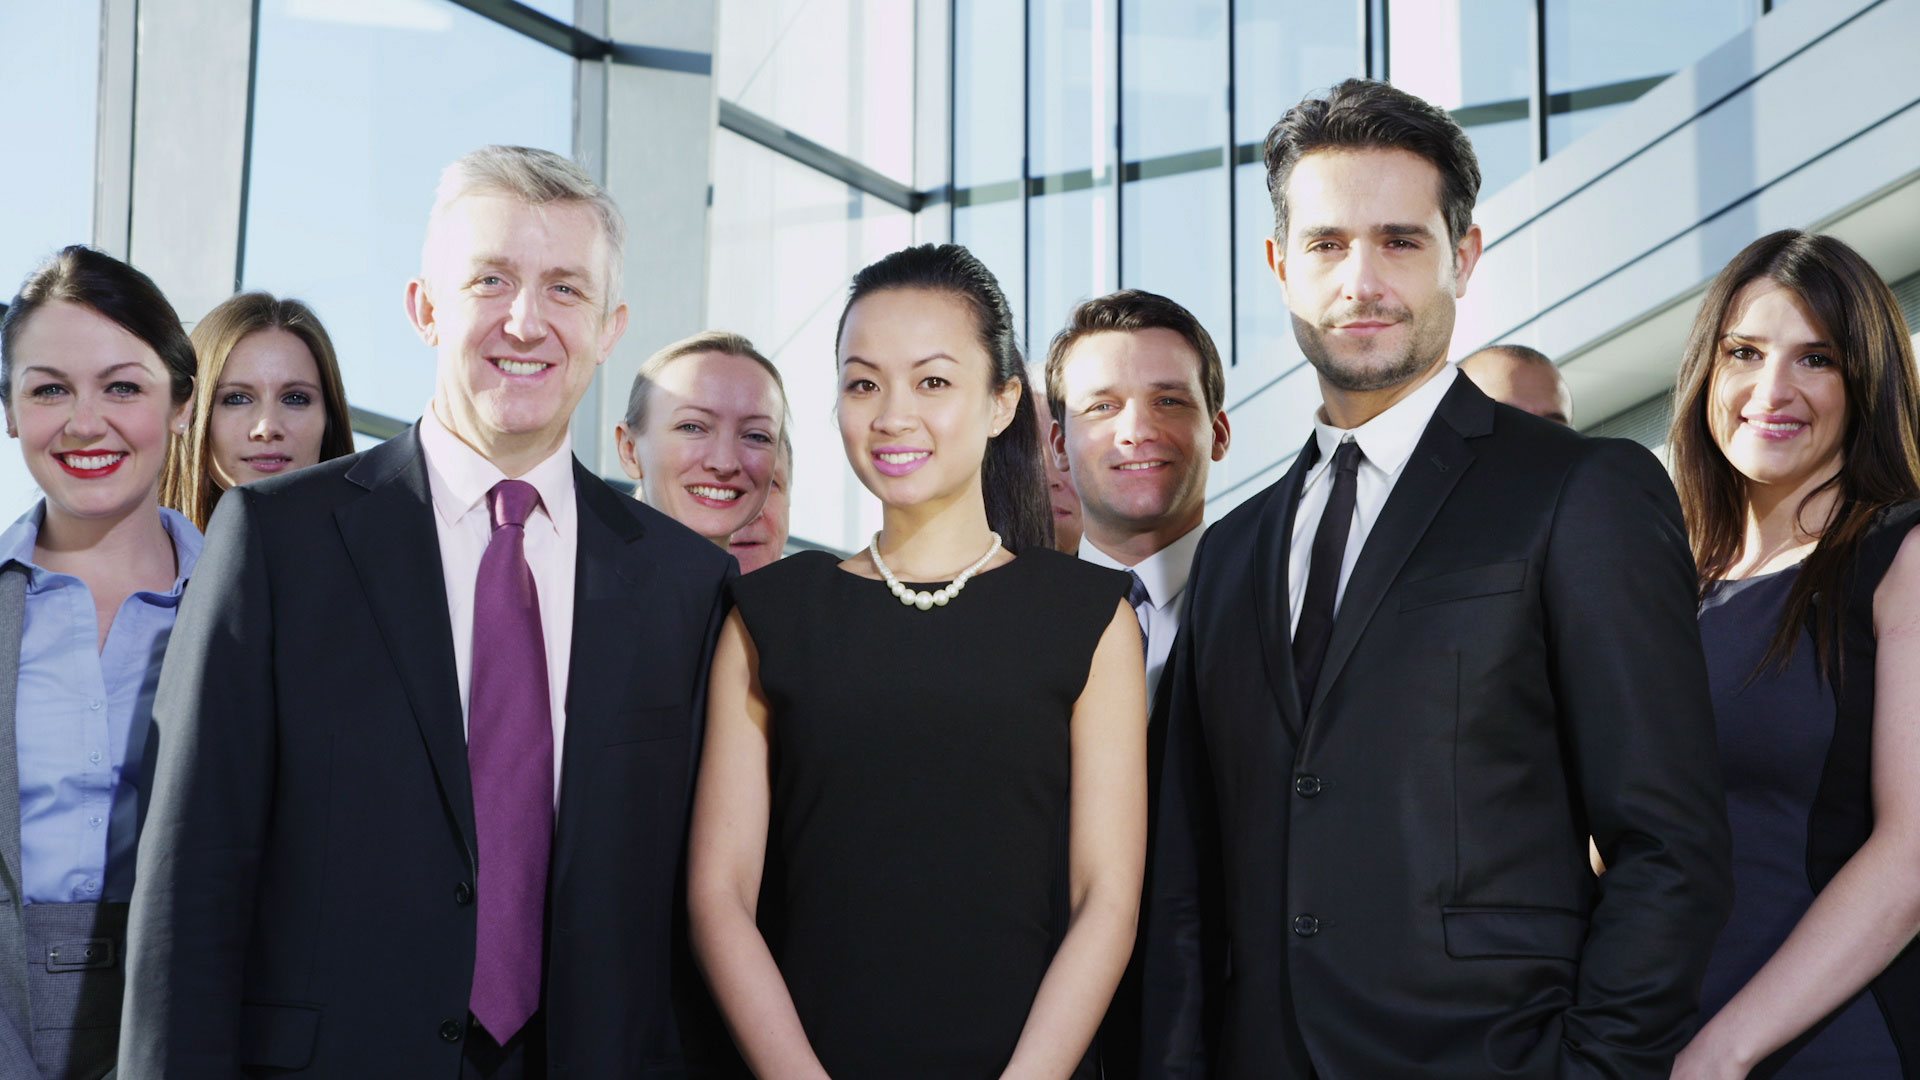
{"type": "Point", "coordinates": [1310, 637]}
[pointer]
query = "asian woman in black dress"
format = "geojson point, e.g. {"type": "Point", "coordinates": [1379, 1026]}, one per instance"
{"type": "Point", "coordinates": [1795, 450]}
{"type": "Point", "coordinates": [935, 749]}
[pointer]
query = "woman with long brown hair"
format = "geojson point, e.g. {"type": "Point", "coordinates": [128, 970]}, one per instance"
{"type": "Point", "coordinates": [1796, 450]}
{"type": "Point", "coordinates": [268, 400]}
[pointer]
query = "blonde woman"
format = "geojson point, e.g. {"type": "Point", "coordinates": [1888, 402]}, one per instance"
{"type": "Point", "coordinates": [705, 419]}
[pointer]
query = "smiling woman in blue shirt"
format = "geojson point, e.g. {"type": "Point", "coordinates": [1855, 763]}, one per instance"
{"type": "Point", "coordinates": [97, 378]}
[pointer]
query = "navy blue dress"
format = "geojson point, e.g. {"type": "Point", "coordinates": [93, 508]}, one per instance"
{"type": "Point", "coordinates": [1777, 733]}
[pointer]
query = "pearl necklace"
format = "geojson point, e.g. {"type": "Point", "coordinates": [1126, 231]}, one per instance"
{"type": "Point", "coordinates": [939, 597]}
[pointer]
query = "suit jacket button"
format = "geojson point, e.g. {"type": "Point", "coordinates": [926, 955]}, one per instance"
{"type": "Point", "coordinates": [1307, 786]}
{"type": "Point", "coordinates": [463, 894]}
{"type": "Point", "coordinates": [450, 1030]}
{"type": "Point", "coordinates": [1306, 925]}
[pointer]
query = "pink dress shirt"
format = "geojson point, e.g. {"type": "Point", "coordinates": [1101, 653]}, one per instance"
{"type": "Point", "coordinates": [459, 479]}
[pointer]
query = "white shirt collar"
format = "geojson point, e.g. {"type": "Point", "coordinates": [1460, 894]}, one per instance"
{"type": "Point", "coordinates": [1387, 440]}
{"type": "Point", "coordinates": [459, 477]}
{"type": "Point", "coordinates": [1164, 572]}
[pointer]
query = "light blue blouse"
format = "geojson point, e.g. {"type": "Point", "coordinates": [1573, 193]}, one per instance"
{"type": "Point", "coordinates": [82, 717]}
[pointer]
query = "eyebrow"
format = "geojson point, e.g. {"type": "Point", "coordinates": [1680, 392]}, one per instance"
{"type": "Point", "coordinates": [711, 412]}
{"type": "Point", "coordinates": [916, 363]}
{"type": "Point", "coordinates": [1392, 228]}
{"type": "Point", "coordinates": [502, 262]}
{"type": "Point", "coordinates": [238, 384]}
{"type": "Point", "coordinates": [1753, 340]}
{"type": "Point", "coordinates": [57, 373]}
{"type": "Point", "coordinates": [1162, 384]}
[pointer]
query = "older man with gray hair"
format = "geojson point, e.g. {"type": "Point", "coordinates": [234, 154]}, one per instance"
{"type": "Point", "coordinates": [428, 719]}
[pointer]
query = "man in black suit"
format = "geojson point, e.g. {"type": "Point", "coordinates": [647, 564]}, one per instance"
{"type": "Point", "coordinates": [427, 725]}
{"type": "Point", "coordinates": [1415, 675]}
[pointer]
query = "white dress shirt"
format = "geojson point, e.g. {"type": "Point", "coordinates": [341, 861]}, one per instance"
{"type": "Point", "coordinates": [459, 479]}
{"type": "Point", "coordinates": [1164, 573]}
{"type": "Point", "coordinates": [1386, 443]}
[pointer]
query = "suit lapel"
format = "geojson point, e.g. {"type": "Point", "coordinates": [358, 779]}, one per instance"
{"type": "Point", "coordinates": [611, 575]}
{"type": "Point", "coordinates": [1437, 463]}
{"type": "Point", "coordinates": [1271, 588]}
{"type": "Point", "coordinates": [395, 547]}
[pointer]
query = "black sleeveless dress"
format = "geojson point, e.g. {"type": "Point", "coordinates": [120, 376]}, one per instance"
{"type": "Point", "coordinates": [1795, 754]}
{"type": "Point", "coordinates": [917, 846]}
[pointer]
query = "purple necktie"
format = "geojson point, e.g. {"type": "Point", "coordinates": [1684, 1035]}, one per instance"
{"type": "Point", "coordinates": [510, 753]}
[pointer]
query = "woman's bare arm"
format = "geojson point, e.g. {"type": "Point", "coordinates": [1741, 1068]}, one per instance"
{"type": "Point", "coordinates": [726, 854]}
{"type": "Point", "coordinates": [1107, 845]}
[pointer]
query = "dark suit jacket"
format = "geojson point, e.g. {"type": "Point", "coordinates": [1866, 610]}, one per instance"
{"type": "Point", "coordinates": [1391, 880]}
{"type": "Point", "coordinates": [305, 886]}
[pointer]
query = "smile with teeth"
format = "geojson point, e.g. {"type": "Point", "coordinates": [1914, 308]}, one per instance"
{"type": "Point", "coordinates": [1781, 426]}
{"type": "Point", "coordinates": [902, 457]}
{"type": "Point", "coordinates": [98, 460]}
{"type": "Point", "coordinates": [1138, 466]}
{"type": "Point", "coordinates": [718, 494]}
{"type": "Point", "coordinates": [520, 367]}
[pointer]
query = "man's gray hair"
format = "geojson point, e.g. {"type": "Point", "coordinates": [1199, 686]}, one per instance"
{"type": "Point", "coordinates": [536, 178]}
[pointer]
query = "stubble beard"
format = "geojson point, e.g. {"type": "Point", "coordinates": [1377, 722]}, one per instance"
{"type": "Point", "coordinates": [1369, 370]}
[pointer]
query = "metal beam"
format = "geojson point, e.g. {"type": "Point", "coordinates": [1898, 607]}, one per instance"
{"type": "Point", "coordinates": [758, 129]}
{"type": "Point", "coordinates": [375, 425]}
{"type": "Point", "coordinates": [541, 27]}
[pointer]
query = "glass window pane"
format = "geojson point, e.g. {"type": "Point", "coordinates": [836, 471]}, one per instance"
{"type": "Point", "coordinates": [1070, 118]}
{"type": "Point", "coordinates": [49, 86]}
{"type": "Point", "coordinates": [1174, 140]}
{"type": "Point", "coordinates": [989, 148]}
{"type": "Point", "coordinates": [1471, 59]}
{"type": "Point", "coordinates": [786, 241]}
{"type": "Point", "coordinates": [1283, 51]}
{"type": "Point", "coordinates": [989, 82]}
{"type": "Point", "coordinates": [353, 120]}
{"type": "Point", "coordinates": [839, 72]}
{"type": "Point", "coordinates": [1599, 57]}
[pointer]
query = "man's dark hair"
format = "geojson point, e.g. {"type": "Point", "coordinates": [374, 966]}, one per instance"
{"type": "Point", "coordinates": [1128, 310]}
{"type": "Point", "coordinates": [1360, 114]}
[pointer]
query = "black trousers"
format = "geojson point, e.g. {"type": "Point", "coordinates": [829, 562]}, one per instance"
{"type": "Point", "coordinates": [524, 1057]}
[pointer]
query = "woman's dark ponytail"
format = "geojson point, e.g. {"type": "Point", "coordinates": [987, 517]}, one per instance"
{"type": "Point", "coordinates": [1012, 476]}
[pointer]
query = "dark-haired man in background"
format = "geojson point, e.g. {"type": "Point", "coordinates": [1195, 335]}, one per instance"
{"type": "Point", "coordinates": [1136, 389]}
{"type": "Point", "coordinates": [1136, 395]}
{"type": "Point", "coordinates": [1414, 674]}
